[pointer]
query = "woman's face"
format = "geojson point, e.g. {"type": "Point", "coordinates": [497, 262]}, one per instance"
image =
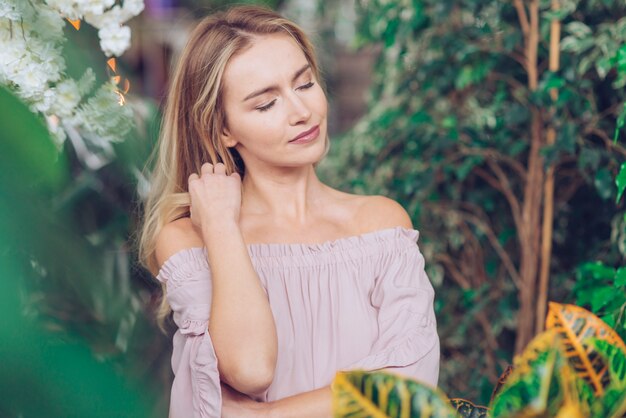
{"type": "Point", "coordinates": [271, 97]}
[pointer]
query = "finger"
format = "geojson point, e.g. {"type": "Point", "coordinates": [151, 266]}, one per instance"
{"type": "Point", "coordinates": [219, 168]}
{"type": "Point", "coordinates": [236, 174]}
{"type": "Point", "coordinates": [192, 177]}
{"type": "Point", "coordinates": [207, 168]}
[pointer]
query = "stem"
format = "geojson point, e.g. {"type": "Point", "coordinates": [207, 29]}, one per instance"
{"type": "Point", "coordinates": [548, 208]}
{"type": "Point", "coordinates": [523, 19]}
{"type": "Point", "coordinates": [529, 232]}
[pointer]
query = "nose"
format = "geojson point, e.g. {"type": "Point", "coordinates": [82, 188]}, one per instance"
{"type": "Point", "coordinates": [299, 112]}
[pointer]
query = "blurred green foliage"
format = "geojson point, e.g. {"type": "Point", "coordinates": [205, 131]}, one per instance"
{"type": "Point", "coordinates": [45, 372]}
{"type": "Point", "coordinates": [449, 112]}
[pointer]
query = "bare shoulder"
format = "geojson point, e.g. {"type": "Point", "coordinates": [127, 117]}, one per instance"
{"type": "Point", "coordinates": [380, 212]}
{"type": "Point", "coordinates": [174, 237]}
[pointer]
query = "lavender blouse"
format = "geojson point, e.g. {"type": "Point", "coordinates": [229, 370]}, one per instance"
{"type": "Point", "coordinates": [360, 302]}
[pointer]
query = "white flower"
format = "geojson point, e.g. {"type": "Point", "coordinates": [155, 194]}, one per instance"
{"type": "Point", "coordinates": [33, 67]}
{"type": "Point", "coordinates": [114, 40]}
{"type": "Point", "coordinates": [45, 101]}
{"type": "Point", "coordinates": [31, 80]}
{"type": "Point", "coordinates": [12, 56]}
{"type": "Point", "coordinates": [8, 11]}
{"type": "Point", "coordinates": [133, 7]}
{"type": "Point", "coordinates": [96, 7]}
{"type": "Point", "coordinates": [67, 97]}
{"type": "Point", "coordinates": [66, 8]}
{"type": "Point", "coordinates": [112, 17]}
{"type": "Point", "coordinates": [50, 23]}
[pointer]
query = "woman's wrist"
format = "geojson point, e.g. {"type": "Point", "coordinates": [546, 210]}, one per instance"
{"type": "Point", "coordinates": [266, 410]}
{"type": "Point", "coordinates": [219, 228]}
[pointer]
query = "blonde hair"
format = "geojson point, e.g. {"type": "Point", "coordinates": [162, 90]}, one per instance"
{"type": "Point", "coordinates": [194, 117]}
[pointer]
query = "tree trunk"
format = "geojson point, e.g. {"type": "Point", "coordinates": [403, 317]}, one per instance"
{"type": "Point", "coordinates": [548, 208]}
{"type": "Point", "coordinates": [529, 232]}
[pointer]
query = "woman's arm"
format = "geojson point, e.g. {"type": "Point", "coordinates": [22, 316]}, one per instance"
{"type": "Point", "coordinates": [313, 404]}
{"type": "Point", "coordinates": [241, 323]}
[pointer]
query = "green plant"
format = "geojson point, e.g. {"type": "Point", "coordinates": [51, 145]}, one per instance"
{"type": "Point", "coordinates": [575, 369]}
{"type": "Point", "coordinates": [601, 286]}
{"type": "Point", "coordinates": [46, 372]}
{"type": "Point", "coordinates": [461, 107]}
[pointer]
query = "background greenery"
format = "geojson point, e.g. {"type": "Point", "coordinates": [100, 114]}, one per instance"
{"type": "Point", "coordinates": [448, 134]}
{"type": "Point", "coordinates": [446, 131]}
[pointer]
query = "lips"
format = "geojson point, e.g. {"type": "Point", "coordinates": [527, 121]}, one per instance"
{"type": "Point", "coordinates": [305, 133]}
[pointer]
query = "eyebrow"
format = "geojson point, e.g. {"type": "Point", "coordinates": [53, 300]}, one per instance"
{"type": "Point", "coordinates": [275, 87]}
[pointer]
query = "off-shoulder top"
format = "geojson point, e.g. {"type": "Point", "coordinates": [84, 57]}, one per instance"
{"type": "Point", "coordinates": [359, 302]}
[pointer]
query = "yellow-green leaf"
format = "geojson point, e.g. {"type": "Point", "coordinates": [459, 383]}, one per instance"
{"type": "Point", "coordinates": [541, 384]}
{"type": "Point", "coordinates": [467, 409]}
{"type": "Point", "coordinates": [361, 394]}
{"type": "Point", "coordinates": [575, 325]}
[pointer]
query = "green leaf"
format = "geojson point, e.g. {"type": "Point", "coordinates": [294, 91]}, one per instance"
{"type": "Point", "coordinates": [603, 183]}
{"type": "Point", "coordinates": [620, 277]}
{"type": "Point", "coordinates": [467, 409]}
{"type": "Point", "coordinates": [601, 296]}
{"type": "Point", "coordinates": [26, 149]}
{"type": "Point", "coordinates": [598, 271]}
{"type": "Point", "coordinates": [467, 165]}
{"type": "Point", "coordinates": [603, 66]}
{"type": "Point", "coordinates": [615, 359]}
{"type": "Point", "coordinates": [360, 393]}
{"type": "Point", "coordinates": [621, 119]}
{"type": "Point", "coordinates": [620, 182]}
{"type": "Point", "coordinates": [540, 381]}
{"type": "Point", "coordinates": [578, 29]}
{"type": "Point", "coordinates": [611, 405]}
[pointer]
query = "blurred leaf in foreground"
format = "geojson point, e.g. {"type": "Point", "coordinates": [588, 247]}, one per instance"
{"type": "Point", "coordinates": [41, 375]}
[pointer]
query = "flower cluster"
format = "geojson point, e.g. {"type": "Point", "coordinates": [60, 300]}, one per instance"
{"type": "Point", "coordinates": [33, 67]}
{"type": "Point", "coordinates": [105, 15]}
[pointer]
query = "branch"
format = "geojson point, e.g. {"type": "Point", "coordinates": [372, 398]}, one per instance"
{"type": "Point", "coordinates": [608, 142]}
{"type": "Point", "coordinates": [478, 217]}
{"type": "Point", "coordinates": [505, 188]}
{"type": "Point", "coordinates": [493, 240]}
{"type": "Point", "coordinates": [456, 274]}
{"type": "Point", "coordinates": [489, 47]}
{"type": "Point", "coordinates": [492, 345]}
{"type": "Point", "coordinates": [532, 44]}
{"type": "Point", "coordinates": [474, 256]}
{"type": "Point", "coordinates": [495, 155]}
{"type": "Point", "coordinates": [523, 18]}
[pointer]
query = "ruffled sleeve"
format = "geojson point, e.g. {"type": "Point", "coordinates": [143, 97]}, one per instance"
{"type": "Point", "coordinates": [407, 340]}
{"type": "Point", "coordinates": [196, 391]}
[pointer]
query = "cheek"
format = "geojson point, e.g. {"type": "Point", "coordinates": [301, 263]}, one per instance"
{"type": "Point", "coordinates": [260, 129]}
{"type": "Point", "coordinates": [321, 103]}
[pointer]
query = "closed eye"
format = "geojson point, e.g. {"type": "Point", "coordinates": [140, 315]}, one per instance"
{"type": "Point", "coordinates": [267, 106]}
{"type": "Point", "coordinates": [306, 86]}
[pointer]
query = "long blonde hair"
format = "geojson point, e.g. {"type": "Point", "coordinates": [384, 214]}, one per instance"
{"type": "Point", "coordinates": [194, 116]}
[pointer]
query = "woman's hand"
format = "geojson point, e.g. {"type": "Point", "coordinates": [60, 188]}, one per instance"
{"type": "Point", "coordinates": [237, 405]}
{"type": "Point", "coordinates": [215, 196]}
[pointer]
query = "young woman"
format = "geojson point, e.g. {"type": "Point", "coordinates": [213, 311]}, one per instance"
{"type": "Point", "coordinates": [276, 281]}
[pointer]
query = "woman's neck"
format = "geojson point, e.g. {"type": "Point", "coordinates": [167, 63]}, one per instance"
{"type": "Point", "coordinates": [291, 195]}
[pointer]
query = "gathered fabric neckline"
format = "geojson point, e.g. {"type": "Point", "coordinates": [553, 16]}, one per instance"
{"type": "Point", "coordinates": [348, 242]}
{"type": "Point", "coordinates": [352, 247]}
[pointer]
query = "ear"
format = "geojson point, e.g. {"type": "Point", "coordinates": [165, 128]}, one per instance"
{"type": "Point", "coordinates": [227, 138]}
